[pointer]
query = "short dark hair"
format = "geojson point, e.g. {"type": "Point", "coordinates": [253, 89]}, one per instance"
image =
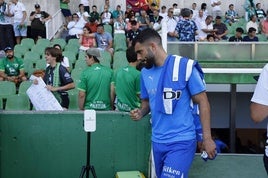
{"type": "Point", "coordinates": [54, 52]}
{"type": "Point", "coordinates": [185, 12]}
{"type": "Point", "coordinates": [57, 45]}
{"type": "Point", "coordinates": [147, 34]}
{"type": "Point", "coordinates": [131, 54]}
{"type": "Point", "coordinates": [133, 22]}
{"type": "Point", "coordinates": [251, 29]}
{"type": "Point", "coordinates": [239, 29]}
{"type": "Point", "coordinates": [218, 17]}
{"type": "Point", "coordinates": [100, 25]}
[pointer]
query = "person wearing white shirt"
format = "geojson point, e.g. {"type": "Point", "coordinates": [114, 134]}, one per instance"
{"type": "Point", "coordinates": [20, 23]}
{"type": "Point", "coordinates": [86, 5]}
{"type": "Point", "coordinates": [206, 28]}
{"type": "Point", "coordinates": [171, 25]}
{"type": "Point", "coordinates": [253, 23]}
{"type": "Point", "coordinates": [216, 8]}
{"type": "Point", "coordinates": [200, 18]}
{"type": "Point", "coordinates": [75, 27]}
{"type": "Point", "coordinates": [195, 11]}
{"type": "Point", "coordinates": [163, 12]}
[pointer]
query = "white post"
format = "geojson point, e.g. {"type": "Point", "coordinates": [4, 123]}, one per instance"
{"type": "Point", "coordinates": [164, 34]}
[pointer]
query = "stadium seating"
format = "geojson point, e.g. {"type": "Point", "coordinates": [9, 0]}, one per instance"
{"type": "Point", "coordinates": [80, 65]}
{"type": "Point", "coordinates": [119, 60]}
{"type": "Point", "coordinates": [59, 41]}
{"type": "Point", "coordinates": [20, 50]}
{"type": "Point", "coordinates": [27, 42]}
{"type": "Point", "coordinates": [24, 86]}
{"type": "Point", "coordinates": [43, 41]}
{"type": "Point", "coordinates": [105, 59]}
{"type": "Point", "coordinates": [7, 88]}
{"type": "Point", "coordinates": [41, 64]}
{"type": "Point", "coordinates": [17, 102]}
{"type": "Point", "coordinates": [73, 101]}
{"type": "Point", "coordinates": [39, 48]}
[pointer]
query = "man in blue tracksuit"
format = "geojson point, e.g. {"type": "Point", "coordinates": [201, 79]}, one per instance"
{"type": "Point", "coordinates": [169, 86]}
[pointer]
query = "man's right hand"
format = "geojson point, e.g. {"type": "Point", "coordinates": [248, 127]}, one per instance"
{"type": "Point", "coordinates": [136, 114]}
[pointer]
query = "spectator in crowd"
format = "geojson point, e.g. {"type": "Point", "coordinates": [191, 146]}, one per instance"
{"type": "Point", "coordinates": [150, 11]}
{"type": "Point", "coordinates": [186, 28]}
{"type": "Point", "coordinates": [210, 38]}
{"type": "Point", "coordinates": [38, 19]}
{"type": "Point", "coordinates": [104, 39]}
{"type": "Point", "coordinates": [12, 68]}
{"type": "Point", "coordinates": [57, 77]}
{"type": "Point", "coordinates": [92, 24]}
{"type": "Point", "coordinates": [75, 27]}
{"type": "Point", "coordinates": [106, 16]}
{"type": "Point", "coordinates": [125, 84]}
{"type": "Point", "coordinates": [133, 32]}
{"type": "Point", "coordinates": [260, 12]}
{"type": "Point", "coordinates": [20, 22]}
{"type": "Point", "coordinates": [94, 85]}
{"type": "Point", "coordinates": [6, 27]}
{"type": "Point", "coordinates": [216, 8]}
{"type": "Point", "coordinates": [249, 7]}
{"type": "Point", "coordinates": [155, 22]}
{"type": "Point", "coordinates": [171, 21]}
{"type": "Point", "coordinates": [119, 25]}
{"type": "Point", "coordinates": [65, 61]}
{"type": "Point", "coordinates": [82, 14]}
{"type": "Point", "coordinates": [128, 23]}
{"type": "Point", "coordinates": [65, 9]}
{"type": "Point", "coordinates": [86, 5]}
{"type": "Point", "coordinates": [194, 10]}
{"type": "Point", "coordinates": [204, 8]}
{"type": "Point", "coordinates": [264, 25]}
{"type": "Point", "coordinates": [143, 20]}
{"type": "Point", "coordinates": [206, 28]}
{"type": "Point", "coordinates": [253, 23]}
{"type": "Point", "coordinates": [129, 12]}
{"type": "Point", "coordinates": [200, 18]}
{"type": "Point", "coordinates": [238, 35]}
{"type": "Point", "coordinates": [231, 15]}
{"type": "Point", "coordinates": [94, 14]}
{"type": "Point", "coordinates": [221, 29]}
{"type": "Point", "coordinates": [85, 40]}
{"type": "Point", "coordinates": [107, 4]}
{"type": "Point", "coordinates": [251, 35]}
{"type": "Point", "coordinates": [118, 12]}
{"type": "Point", "coordinates": [163, 12]}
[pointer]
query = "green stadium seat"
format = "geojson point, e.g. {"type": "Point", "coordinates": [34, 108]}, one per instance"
{"type": "Point", "coordinates": [71, 47]}
{"type": "Point", "coordinates": [76, 72]}
{"type": "Point", "coordinates": [119, 60]}
{"type": "Point", "coordinates": [41, 64]}
{"type": "Point", "coordinates": [59, 41]}
{"type": "Point", "coordinates": [70, 55]}
{"type": "Point", "coordinates": [24, 86]}
{"type": "Point", "coordinates": [28, 67]}
{"type": "Point", "coordinates": [81, 55]}
{"type": "Point", "coordinates": [74, 42]}
{"type": "Point", "coordinates": [106, 58]}
{"type": "Point", "coordinates": [20, 50]}
{"type": "Point", "coordinates": [27, 42]}
{"type": "Point", "coordinates": [108, 28]}
{"type": "Point", "coordinates": [17, 102]}
{"type": "Point", "coordinates": [80, 65]}
{"type": "Point", "coordinates": [39, 48]}
{"type": "Point", "coordinates": [31, 55]}
{"type": "Point", "coordinates": [43, 42]}
{"type": "Point", "coordinates": [7, 88]}
{"type": "Point", "coordinates": [73, 101]}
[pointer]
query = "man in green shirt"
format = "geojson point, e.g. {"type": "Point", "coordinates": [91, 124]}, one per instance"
{"type": "Point", "coordinates": [126, 84]}
{"type": "Point", "coordinates": [11, 67]}
{"type": "Point", "coordinates": [94, 85]}
{"type": "Point", "coordinates": [64, 6]}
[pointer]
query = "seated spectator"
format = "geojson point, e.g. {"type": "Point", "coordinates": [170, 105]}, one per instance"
{"type": "Point", "coordinates": [260, 12]}
{"type": "Point", "coordinates": [85, 40]}
{"type": "Point", "coordinates": [155, 22]}
{"type": "Point", "coordinates": [171, 21]}
{"type": "Point", "coordinates": [75, 27]}
{"type": "Point", "coordinates": [194, 10]}
{"type": "Point", "coordinates": [119, 25]}
{"type": "Point", "coordinates": [206, 28]}
{"type": "Point", "coordinates": [131, 34]}
{"type": "Point", "coordinates": [221, 29]}
{"type": "Point", "coordinates": [38, 19]}
{"type": "Point", "coordinates": [106, 16]}
{"type": "Point", "coordinates": [104, 39]}
{"type": "Point", "coordinates": [85, 4]}
{"type": "Point", "coordinates": [65, 60]}
{"type": "Point", "coordinates": [238, 35]}
{"type": "Point", "coordinates": [12, 68]}
{"type": "Point", "coordinates": [129, 12]}
{"type": "Point", "coordinates": [204, 8]}
{"type": "Point", "coordinates": [231, 15]}
{"type": "Point", "coordinates": [94, 14]}
{"type": "Point", "coordinates": [253, 23]}
{"type": "Point", "coordinates": [143, 20]}
{"type": "Point", "coordinates": [118, 12]}
{"type": "Point", "coordinates": [264, 26]}
{"type": "Point", "coordinates": [163, 12]}
{"type": "Point", "coordinates": [82, 14]}
{"type": "Point", "coordinates": [150, 11]}
{"type": "Point", "coordinates": [210, 38]}
{"type": "Point", "coordinates": [92, 24]}
{"type": "Point", "coordinates": [251, 35]}
{"type": "Point", "coordinates": [199, 19]}
{"type": "Point", "coordinates": [128, 22]}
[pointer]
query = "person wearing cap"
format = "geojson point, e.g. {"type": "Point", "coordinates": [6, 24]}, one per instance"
{"type": "Point", "coordinates": [11, 67]}
{"type": "Point", "coordinates": [20, 21]}
{"type": "Point", "coordinates": [125, 84]}
{"type": "Point", "coordinates": [38, 19]}
{"type": "Point", "coordinates": [57, 77]}
{"type": "Point", "coordinates": [94, 85]}
{"type": "Point", "coordinates": [6, 26]}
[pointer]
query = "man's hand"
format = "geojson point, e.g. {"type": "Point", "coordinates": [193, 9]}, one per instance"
{"type": "Point", "coordinates": [136, 114]}
{"type": "Point", "coordinates": [210, 147]}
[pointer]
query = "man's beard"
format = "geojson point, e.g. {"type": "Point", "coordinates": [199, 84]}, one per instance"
{"type": "Point", "coordinates": [150, 60]}
{"type": "Point", "coordinates": [10, 56]}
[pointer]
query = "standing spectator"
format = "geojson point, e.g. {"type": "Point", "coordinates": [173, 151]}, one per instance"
{"type": "Point", "coordinates": [86, 41]}
{"type": "Point", "coordinates": [251, 35]}
{"type": "Point", "coordinates": [57, 77]}
{"type": "Point", "coordinates": [126, 84]}
{"type": "Point", "coordinates": [216, 8]}
{"type": "Point", "coordinates": [238, 35]}
{"type": "Point", "coordinates": [65, 61]}
{"type": "Point", "coordinates": [86, 5]}
{"type": "Point", "coordinates": [169, 99]}
{"type": "Point", "coordinates": [65, 10]}
{"type": "Point", "coordinates": [231, 15]}
{"type": "Point", "coordinates": [259, 106]}
{"type": "Point", "coordinates": [104, 39]}
{"type": "Point", "coordinates": [204, 8]}
{"type": "Point", "coordinates": [12, 68]}
{"type": "Point", "coordinates": [221, 29]}
{"type": "Point", "coordinates": [94, 85]}
{"type": "Point", "coordinates": [143, 20]}
{"type": "Point", "coordinates": [118, 12]}
{"type": "Point", "coordinates": [6, 27]}
{"type": "Point", "coordinates": [20, 22]}
{"type": "Point", "coordinates": [82, 13]}
{"type": "Point", "coordinates": [163, 12]}
{"type": "Point", "coordinates": [264, 25]}
{"type": "Point", "coordinates": [253, 23]}
{"type": "Point", "coordinates": [206, 28]}
{"type": "Point", "coordinates": [94, 14]}
{"type": "Point", "coordinates": [260, 12]}
{"type": "Point", "coordinates": [171, 21]}
{"type": "Point", "coordinates": [106, 16]}
{"type": "Point", "coordinates": [200, 18]}
{"type": "Point", "coordinates": [195, 11]}
{"type": "Point", "coordinates": [133, 32]}
{"type": "Point", "coordinates": [38, 19]}
{"type": "Point", "coordinates": [186, 28]}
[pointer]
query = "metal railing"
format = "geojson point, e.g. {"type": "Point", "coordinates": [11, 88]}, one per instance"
{"type": "Point", "coordinates": [54, 24]}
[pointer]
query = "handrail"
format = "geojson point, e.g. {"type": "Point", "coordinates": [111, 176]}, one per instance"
{"type": "Point", "coordinates": [54, 24]}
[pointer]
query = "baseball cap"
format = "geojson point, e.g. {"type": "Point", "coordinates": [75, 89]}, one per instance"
{"type": "Point", "coordinates": [37, 6]}
{"type": "Point", "coordinates": [94, 52]}
{"type": "Point", "coordinates": [8, 48]}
